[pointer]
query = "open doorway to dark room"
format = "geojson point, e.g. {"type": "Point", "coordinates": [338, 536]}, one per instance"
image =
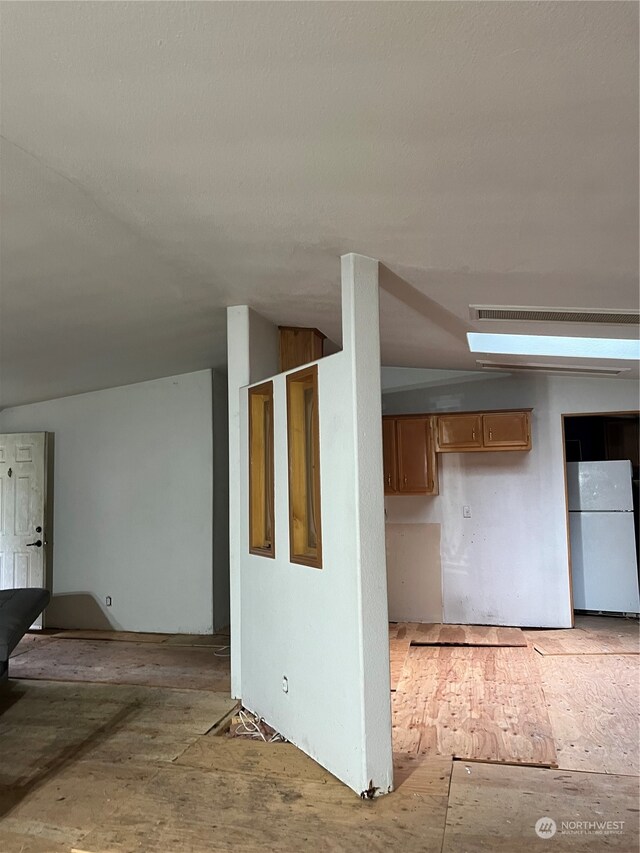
{"type": "Point", "coordinates": [602, 454]}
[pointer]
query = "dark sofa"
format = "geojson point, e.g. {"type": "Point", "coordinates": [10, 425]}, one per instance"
{"type": "Point", "coordinates": [19, 609]}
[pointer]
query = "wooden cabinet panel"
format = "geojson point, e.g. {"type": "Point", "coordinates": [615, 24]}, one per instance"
{"type": "Point", "coordinates": [506, 430]}
{"type": "Point", "coordinates": [389, 452]}
{"type": "Point", "coordinates": [299, 346]}
{"type": "Point", "coordinates": [459, 432]}
{"type": "Point", "coordinates": [409, 457]}
{"type": "Point", "coordinates": [416, 456]}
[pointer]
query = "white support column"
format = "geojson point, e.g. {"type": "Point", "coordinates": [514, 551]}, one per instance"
{"type": "Point", "coordinates": [361, 339]}
{"type": "Point", "coordinates": [238, 372]}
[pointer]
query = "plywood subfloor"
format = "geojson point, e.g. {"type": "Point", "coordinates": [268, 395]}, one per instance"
{"type": "Point", "coordinates": [398, 650]}
{"type": "Point", "coordinates": [69, 751]}
{"type": "Point", "coordinates": [116, 636]}
{"type": "Point", "coordinates": [402, 630]}
{"type": "Point", "coordinates": [483, 704]}
{"type": "Point", "coordinates": [219, 639]}
{"type": "Point", "coordinates": [495, 809]}
{"type": "Point", "coordinates": [31, 641]}
{"type": "Point", "coordinates": [237, 809]}
{"type": "Point", "coordinates": [43, 723]}
{"type": "Point", "coordinates": [592, 635]}
{"type": "Point", "coordinates": [594, 706]}
{"type": "Point", "coordinates": [151, 664]}
{"type": "Point", "coordinates": [67, 782]}
{"type": "Point", "coordinates": [118, 768]}
{"type": "Point", "coordinates": [466, 635]}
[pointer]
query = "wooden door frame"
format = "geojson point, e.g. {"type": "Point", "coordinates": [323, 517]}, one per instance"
{"type": "Point", "coordinates": [566, 490]}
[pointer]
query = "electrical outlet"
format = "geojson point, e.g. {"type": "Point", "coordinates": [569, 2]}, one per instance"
{"type": "Point", "coordinates": [108, 600]}
{"type": "Point", "coordinates": [466, 512]}
{"type": "Point", "coordinates": [285, 684]}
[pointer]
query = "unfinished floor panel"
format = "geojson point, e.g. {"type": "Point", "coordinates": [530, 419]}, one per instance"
{"type": "Point", "coordinates": [219, 639]}
{"type": "Point", "coordinates": [480, 704]}
{"type": "Point", "coordinates": [495, 809]}
{"type": "Point", "coordinates": [65, 803]}
{"type": "Point", "coordinates": [151, 664]}
{"type": "Point", "coordinates": [594, 708]}
{"type": "Point", "coordinates": [237, 812]}
{"type": "Point", "coordinates": [467, 635]}
{"type": "Point", "coordinates": [398, 651]}
{"type": "Point", "coordinates": [228, 795]}
{"type": "Point", "coordinates": [32, 641]}
{"type": "Point", "coordinates": [68, 752]}
{"type": "Point", "coordinates": [592, 635]}
{"type": "Point", "coordinates": [43, 724]}
{"type": "Point", "coordinates": [115, 636]}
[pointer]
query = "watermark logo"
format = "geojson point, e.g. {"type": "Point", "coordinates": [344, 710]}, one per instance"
{"type": "Point", "coordinates": [546, 827]}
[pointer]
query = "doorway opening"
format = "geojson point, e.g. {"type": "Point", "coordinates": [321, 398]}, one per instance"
{"type": "Point", "coordinates": [602, 464]}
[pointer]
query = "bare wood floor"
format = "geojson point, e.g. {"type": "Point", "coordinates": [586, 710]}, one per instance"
{"type": "Point", "coordinates": [119, 767]}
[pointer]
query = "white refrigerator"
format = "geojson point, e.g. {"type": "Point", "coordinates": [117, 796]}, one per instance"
{"type": "Point", "coordinates": [603, 545]}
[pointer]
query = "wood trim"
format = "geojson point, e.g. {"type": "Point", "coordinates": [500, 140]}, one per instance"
{"type": "Point", "coordinates": [567, 518]}
{"type": "Point", "coordinates": [256, 525]}
{"type": "Point", "coordinates": [391, 477]}
{"type": "Point", "coordinates": [298, 503]}
{"type": "Point", "coordinates": [597, 414]}
{"type": "Point", "coordinates": [433, 457]}
{"type": "Point", "coordinates": [475, 412]}
{"type": "Point", "coordinates": [47, 521]}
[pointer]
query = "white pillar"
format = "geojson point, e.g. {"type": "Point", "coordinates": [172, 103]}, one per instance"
{"type": "Point", "coordinates": [238, 375]}
{"type": "Point", "coordinates": [361, 339]}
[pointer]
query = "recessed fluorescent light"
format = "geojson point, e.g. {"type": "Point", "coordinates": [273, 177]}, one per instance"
{"type": "Point", "coordinates": [550, 345]}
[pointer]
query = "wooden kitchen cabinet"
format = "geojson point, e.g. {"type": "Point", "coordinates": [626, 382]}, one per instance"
{"type": "Point", "coordinates": [410, 463]}
{"type": "Point", "coordinates": [459, 432]}
{"type": "Point", "coordinates": [506, 431]}
{"type": "Point", "coordinates": [390, 456]}
{"type": "Point", "coordinates": [484, 431]}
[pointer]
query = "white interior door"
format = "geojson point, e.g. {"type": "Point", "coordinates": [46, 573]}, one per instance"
{"type": "Point", "coordinates": [22, 510]}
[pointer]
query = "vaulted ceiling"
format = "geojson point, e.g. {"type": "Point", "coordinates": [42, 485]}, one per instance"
{"type": "Point", "coordinates": [161, 161]}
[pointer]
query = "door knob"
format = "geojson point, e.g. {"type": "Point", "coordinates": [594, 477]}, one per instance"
{"type": "Point", "coordinates": [37, 544]}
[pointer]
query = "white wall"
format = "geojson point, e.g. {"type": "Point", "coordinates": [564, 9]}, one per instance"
{"type": "Point", "coordinates": [133, 504]}
{"type": "Point", "coordinates": [508, 563]}
{"type": "Point", "coordinates": [326, 629]}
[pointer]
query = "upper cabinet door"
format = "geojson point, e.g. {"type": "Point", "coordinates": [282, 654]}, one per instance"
{"type": "Point", "coordinates": [459, 432]}
{"type": "Point", "coordinates": [416, 457]}
{"type": "Point", "coordinates": [389, 451]}
{"type": "Point", "coordinates": [506, 430]}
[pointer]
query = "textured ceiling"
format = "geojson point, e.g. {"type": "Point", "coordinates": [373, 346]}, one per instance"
{"type": "Point", "coordinates": [161, 161]}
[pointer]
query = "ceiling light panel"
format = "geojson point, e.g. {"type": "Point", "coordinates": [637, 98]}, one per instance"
{"type": "Point", "coordinates": [553, 346]}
